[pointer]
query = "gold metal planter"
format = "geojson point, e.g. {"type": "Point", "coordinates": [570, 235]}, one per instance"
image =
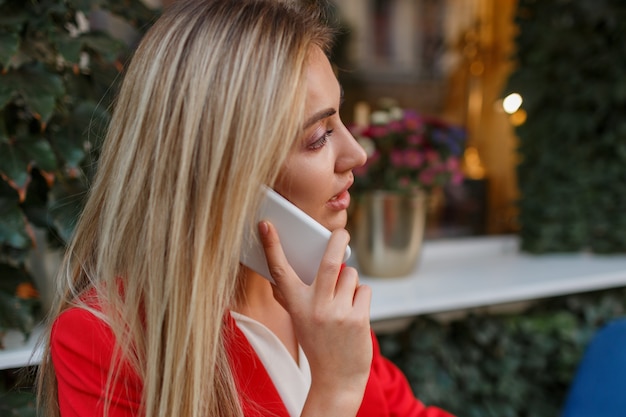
{"type": "Point", "coordinates": [387, 232]}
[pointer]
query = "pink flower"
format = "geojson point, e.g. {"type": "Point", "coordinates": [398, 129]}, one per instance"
{"type": "Point", "coordinates": [439, 167]}
{"type": "Point", "coordinates": [452, 164]}
{"type": "Point", "coordinates": [427, 177]}
{"type": "Point", "coordinates": [408, 150]}
{"type": "Point", "coordinates": [457, 178]}
{"type": "Point", "coordinates": [376, 131]}
{"type": "Point", "coordinates": [397, 158]}
{"type": "Point", "coordinates": [395, 126]}
{"type": "Point", "coordinates": [415, 139]}
{"type": "Point", "coordinates": [413, 158]}
{"type": "Point", "coordinates": [412, 120]}
{"type": "Point", "coordinates": [432, 156]}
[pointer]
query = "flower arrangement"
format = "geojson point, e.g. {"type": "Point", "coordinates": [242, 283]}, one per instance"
{"type": "Point", "coordinates": [408, 151]}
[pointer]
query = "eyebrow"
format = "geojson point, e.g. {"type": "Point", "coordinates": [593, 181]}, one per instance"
{"type": "Point", "coordinates": [322, 114]}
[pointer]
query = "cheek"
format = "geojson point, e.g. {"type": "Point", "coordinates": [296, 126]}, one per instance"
{"type": "Point", "coordinates": [302, 184]}
{"type": "Point", "coordinates": [292, 180]}
{"type": "Point", "coordinates": [309, 192]}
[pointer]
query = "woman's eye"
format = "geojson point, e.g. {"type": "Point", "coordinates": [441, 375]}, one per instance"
{"type": "Point", "coordinates": [321, 141]}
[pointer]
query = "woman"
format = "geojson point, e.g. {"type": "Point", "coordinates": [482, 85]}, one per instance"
{"type": "Point", "coordinates": [157, 316]}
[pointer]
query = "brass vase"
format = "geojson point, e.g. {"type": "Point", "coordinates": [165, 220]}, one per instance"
{"type": "Point", "coordinates": [387, 232]}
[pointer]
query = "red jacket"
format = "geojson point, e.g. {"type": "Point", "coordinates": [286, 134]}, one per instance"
{"type": "Point", "coordinates": [82, 346]}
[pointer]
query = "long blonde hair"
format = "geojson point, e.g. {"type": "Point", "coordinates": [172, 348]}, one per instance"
{"type": "Point", "coordinates": [208, 110]}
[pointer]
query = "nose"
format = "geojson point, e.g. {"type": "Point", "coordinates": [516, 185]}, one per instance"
{"type": "Point", "coordinates": [351, 154]}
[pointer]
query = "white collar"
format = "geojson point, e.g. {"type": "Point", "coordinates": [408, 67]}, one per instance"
{"type": "Point", "coordinates": [292, 380]}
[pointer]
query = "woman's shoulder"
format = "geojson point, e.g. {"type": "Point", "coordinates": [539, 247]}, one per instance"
{"type": "Point", "coordinates": [82, 317]}
{"type": "Point", "coordinates": [82, 349]}
{"type": "Point", "coordinates": [82, 321]}
{"type": "Point", "coordinates": [78, 331]}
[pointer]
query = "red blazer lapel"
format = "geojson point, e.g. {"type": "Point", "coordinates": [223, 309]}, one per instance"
{"type": "Point", "coordinates": [257, 393]}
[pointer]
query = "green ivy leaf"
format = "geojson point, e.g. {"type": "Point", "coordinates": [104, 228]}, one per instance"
{"type": "Point", "coordinates": [69, 147]}
{"type": "Point", "coordinates": [103, 44]}
{"type": "Point", "coordinates": [12, 166]}
{"type": "Point", "coordinates": [39, 88]}
{"type": "Point", "coordinates": [87, 123]}
{"type": "Point", "coordinates": [70, 48]}
{"type": "Point", "coordinates": [34, 206]}
{"type": "Point", "coordinates": [17, 313]}
{"type": "Point", "coordinates": [39, 151]}
{"type": "Point", "coordinates": [13, 225]}
{"type": "Point", "coordinates": [6, 90]}
{"type": "Point", "coordinates": [93, 119]}
{"type": "Point", "coordinates": [41, 106]}
{"type": "Point", "coordinates": [9, 44]}
{"type": "Point", "coordinates": [17, 156]}
{"type": "Point", "coordinates": [40, 80]}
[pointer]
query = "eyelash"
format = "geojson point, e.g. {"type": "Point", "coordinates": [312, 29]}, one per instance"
{"type": "Point", "coordinates": [322, 140]}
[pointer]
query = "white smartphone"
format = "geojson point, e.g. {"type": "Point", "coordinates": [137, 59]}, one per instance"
{"type": "Point", "coordinates": [303, 239]}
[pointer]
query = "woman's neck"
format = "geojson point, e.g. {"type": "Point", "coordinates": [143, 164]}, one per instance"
{"type": "Point", "coordinates": [257, 302]}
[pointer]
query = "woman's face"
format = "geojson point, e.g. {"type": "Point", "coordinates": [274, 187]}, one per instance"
{"type": "Point", "coordinates": [318, 171]}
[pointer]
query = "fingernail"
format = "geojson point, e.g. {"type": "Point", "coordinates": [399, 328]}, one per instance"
{"type": "Point", "coordinates": [263, 228]}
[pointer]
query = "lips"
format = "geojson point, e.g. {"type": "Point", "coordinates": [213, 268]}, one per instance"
{"type": "Point", "coordinates": [340, 201]}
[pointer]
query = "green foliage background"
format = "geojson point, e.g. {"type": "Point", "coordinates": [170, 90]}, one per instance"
{"type": "Point", "coordinates": [502, 365]}
{"type": "Point", "coordinates": [58, 79]}
{"type": "Point", "coordinates": [571, 66]}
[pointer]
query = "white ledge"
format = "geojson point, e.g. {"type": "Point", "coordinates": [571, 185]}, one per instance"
{"type": "Point", "coordinates": [464, 273]}
{"type": "Point", "coordinates": [20, 351]}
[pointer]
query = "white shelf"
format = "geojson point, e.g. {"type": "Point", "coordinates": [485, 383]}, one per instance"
{"type": "Point", "coordinates": [453, 274]}
{"type": "Point", "coordinates": [19, 352]}
{"type": "Point", "coordinates": [473, 272]}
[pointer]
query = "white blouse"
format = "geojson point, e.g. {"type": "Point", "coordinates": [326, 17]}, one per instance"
{"type": "Point", "coordinates": [291, 379]}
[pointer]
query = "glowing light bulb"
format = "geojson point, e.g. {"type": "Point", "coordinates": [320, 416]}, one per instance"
{"type": "Point", "coordinates": [512, 103]}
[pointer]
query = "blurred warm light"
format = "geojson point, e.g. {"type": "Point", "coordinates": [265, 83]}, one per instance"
{"type": "Point", "coordinates": [477, 68]}
{"type": "Point", "coordinates": [518, 118]}
{"type": "Point", "coordinates": [472, 165]}
{"type": "Point", "coordinates": [362, 114]}
{"type": "Point", "coordinates": [512, 103]}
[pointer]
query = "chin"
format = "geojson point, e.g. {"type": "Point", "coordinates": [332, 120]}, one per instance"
{"type": "Point", "coordinates": [339, 221]}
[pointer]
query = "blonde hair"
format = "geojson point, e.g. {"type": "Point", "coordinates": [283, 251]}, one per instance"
{"type": "Point", "coordinates": [209, 108]}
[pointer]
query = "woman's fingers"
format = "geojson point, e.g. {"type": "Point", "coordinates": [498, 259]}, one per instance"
{"type": "Point", "coordinates": [282, 272]}
{"type": "Point", "coordinates": [363, 299]}
{"type": "Point", "coordinates": [331, 264]}
{"type": "Point", "coordinates": [276, 260]}
{"type": "Point", "coordinates": [286, 280]}
{"type": "Point", "coordinates": [348, 285]}
{"type": "Point", "coordinates": [334, 283]}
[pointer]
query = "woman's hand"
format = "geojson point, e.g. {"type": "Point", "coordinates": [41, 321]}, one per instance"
{"type": "Point", "coordinates": [331, 322]}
